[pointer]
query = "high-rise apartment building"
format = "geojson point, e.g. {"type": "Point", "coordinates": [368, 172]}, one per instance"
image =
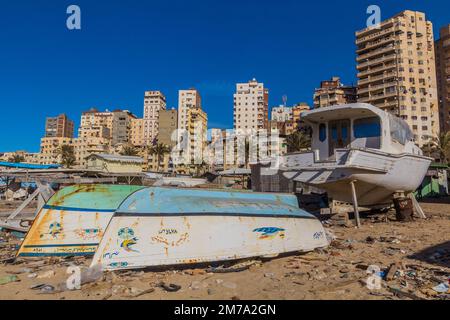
{"type": "Point", "coordinates": [333, 92]}
{"type": "Point", "coordinates": [59, 127]}
{"type": "Point", "coordinates": [396, 71]}
{"type": "Point", "coordinates": [443, 77]}
{"type": "Point", "coordinates": [154, 102]}
{"type": "Point", "coordinates": [251, 106]}
{"type": "Point", "coordinates": [187, 100]}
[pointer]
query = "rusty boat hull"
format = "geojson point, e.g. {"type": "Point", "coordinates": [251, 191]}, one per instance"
{"type": "Point", "coordinates": [168, 226]}
{"type": "Point", "coordinates": [73, 221]}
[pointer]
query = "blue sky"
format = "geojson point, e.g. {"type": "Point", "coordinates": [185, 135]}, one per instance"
{"type": "Point", "coordinates": [127, 47]}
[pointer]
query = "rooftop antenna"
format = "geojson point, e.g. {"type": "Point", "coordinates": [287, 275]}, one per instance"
{"type": "Point", "coordinates": [284, 100]}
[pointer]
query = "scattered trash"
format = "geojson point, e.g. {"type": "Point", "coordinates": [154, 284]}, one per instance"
{"type": "Point", "coordinates": [234, 268]}
{"type": "Point", "coordinates": [46, 275]}
{"type": "Point", "coordinates": [8, 279]}
{"type": "Point", "coordinates": [442, 288]}
{"type": "Point", "coordinates": [44, 288]}
{"type": "Point", "coordinates": [169, 287]}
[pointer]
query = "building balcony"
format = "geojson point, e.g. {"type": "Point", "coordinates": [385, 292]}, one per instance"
{"type": "Point", "coordinates": [376, 52]}
{"type": "Point", "coordinates": [375, 61]}
{"type": "Point", "coordinates": [376, 70]}
{"type": "Point", "coordinates": [367, 31]}
{"type": "Point", "coordinates": [376, 35]}
{"type": "Point", "coordinates": [377, 87]}
{"type": "Point", "coordinates": [378, 43]}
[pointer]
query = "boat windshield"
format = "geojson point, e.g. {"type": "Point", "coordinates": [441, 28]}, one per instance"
{"type": "Point", "coordinates": [367, 133]}
{"type": "Point", "coordinates": [400, 130]}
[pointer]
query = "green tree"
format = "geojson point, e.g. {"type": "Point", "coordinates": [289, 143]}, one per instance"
{"type": "Point", "coordinates": [438, 148]}
{"type": "Point", "coordinates": [67, 154]}
{"type": "Point", "coordinates": [159, 150]}
{"type": "Point", "coordinates": [298, 141]}
{"type": "Point", "coordinates": [16, 158]}
{"type": "Point", "coordinates": [129, 151]}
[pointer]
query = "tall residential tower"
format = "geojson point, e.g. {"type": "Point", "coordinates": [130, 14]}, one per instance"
{"type": "Point", "coordinates": [396, 71]}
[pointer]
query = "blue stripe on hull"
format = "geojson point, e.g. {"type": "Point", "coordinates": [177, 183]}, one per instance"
{"type": "Point", "coordinates": [50, 207]}
{"type": "Point", "coordinates": [60, 245]}
{"type": "Point", "coordinates": [34, 254]}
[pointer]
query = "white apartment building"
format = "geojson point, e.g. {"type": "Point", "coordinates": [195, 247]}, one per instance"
{"type": "Point", "coordinates": [251, 106]}
{"type": "Point", "coordinates": [154, 101]}
{"type": "Point", "coordinates": [187, 99]}
{"type": "Point", "coordinates": [396, 71]}
{"type": "Point", "coordinates": [282, 114]}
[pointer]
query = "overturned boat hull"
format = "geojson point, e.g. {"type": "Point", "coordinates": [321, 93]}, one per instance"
{"type": "Point", "coordinates": [163, 226]}
{"type": "Point", "coordinates": [73, 221]}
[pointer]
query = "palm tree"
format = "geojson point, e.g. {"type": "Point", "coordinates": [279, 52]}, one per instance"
{"type": "Point", "coordinates": [298, 141]}
{"type": "Point", "coordinates": [159, 150]}
{"type": "Point", "coordinates": [67, 154]}
{"type": "Point", "coordinates": [16, 158]}
{"type": "Point", "coordinates": [438, 148]}
{"type": "Point", "coordinates": [129, 151]}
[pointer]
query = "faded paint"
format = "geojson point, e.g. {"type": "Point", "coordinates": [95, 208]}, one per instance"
{"type": "Point", "coordinates": [74, 220]}
{"type": "Point", "coordinates": [178, 226]}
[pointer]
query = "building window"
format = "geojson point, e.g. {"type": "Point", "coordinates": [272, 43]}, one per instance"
{"type": "Point", "coordinates": [322, 132]}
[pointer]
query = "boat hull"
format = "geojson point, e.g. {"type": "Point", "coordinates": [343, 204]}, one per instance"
{"type": "Point", "coordinates": [73, 221]}
{"type": "Point", "coordinates": [161, 240]}
{"type": "Point", "coordinates": [377, 176]}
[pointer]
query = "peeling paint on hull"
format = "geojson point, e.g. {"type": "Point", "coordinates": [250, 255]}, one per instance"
{"type": "Point", "coordinates": [206, 226]}
{"type": "Point", "coordinates": [74, 220]}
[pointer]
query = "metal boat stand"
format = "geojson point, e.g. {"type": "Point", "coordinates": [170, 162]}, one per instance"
{"type": "Point", "coordinates": [355, 204]}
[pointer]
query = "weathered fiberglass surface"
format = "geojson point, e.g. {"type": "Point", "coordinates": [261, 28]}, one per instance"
{"type": "Point", "coordinates": [91, 197]}
{"type": "Point", "coordinates": [166, 201]}
{"type": "Point", "coordinates": [74, 220]}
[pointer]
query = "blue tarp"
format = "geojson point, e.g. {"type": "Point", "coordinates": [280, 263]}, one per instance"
{"type": "Point", "coordinates": [28, 165]}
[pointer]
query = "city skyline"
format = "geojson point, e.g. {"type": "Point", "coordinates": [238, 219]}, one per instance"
{"type": "Point", "coordinates": [41, 87]}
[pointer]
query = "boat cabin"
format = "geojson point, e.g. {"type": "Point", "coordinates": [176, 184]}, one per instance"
{"type": "Point", "coordinates": [357, 125]}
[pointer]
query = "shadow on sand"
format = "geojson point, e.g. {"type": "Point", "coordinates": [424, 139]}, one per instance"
{"type": "Point", "coordinates": [437, 255]}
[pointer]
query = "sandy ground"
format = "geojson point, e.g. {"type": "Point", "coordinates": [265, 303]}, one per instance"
{"type": "Point", "coordinates": [417, 254]}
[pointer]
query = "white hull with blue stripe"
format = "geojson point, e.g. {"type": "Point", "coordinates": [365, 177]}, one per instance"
{"type": "Point", "coordinates": [165, 226]}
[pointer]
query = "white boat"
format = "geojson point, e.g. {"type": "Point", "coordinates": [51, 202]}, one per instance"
{"type": "Point", "coordinates": [362, 145]}
{"type": "Point", "coordinates": [159, 226]}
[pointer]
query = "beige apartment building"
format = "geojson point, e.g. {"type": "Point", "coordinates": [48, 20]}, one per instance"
{"type": "Point", "coordinates": [443, 77]}
{"type": "Point", "coordinates": [251, 106]}
{"type": "Point", "coordinates": [85, 146]}
{"type": "Point", "coordinates": [137, 132]}
{"type": "Point", "coordinates": [118, 122]}
{"type": "Point", "coordinates": [297, 111]}
{"type": "Point", "coordinates": [50, 147]}
{"type": "Point", "coordinates": [60, 126]}
{"type": "Point", "coordinates": [197, 128]}
{"type": "Point", "coordinates": [187, 100]}
{"type": "Point", "coordinates": [396, 71]}
{"type": "Point", "coordinates": [168, 123]}
{"type": "Point", "coordinates": [154, 102]}
{"type": "Point", "coordinates": [333, 92]}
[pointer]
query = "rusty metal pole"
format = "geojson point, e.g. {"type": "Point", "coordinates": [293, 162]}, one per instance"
{"type": "Point", "coordinates": [355, 204]}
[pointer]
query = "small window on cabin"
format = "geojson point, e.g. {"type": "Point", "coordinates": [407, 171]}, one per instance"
{"type": "Point", "coordinates": [367, 128]}
{"type": "Point", "coordinates": [322, 132]}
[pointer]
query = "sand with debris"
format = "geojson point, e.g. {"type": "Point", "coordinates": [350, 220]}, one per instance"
{"type": "Point", "coordinates": [417, 254]}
